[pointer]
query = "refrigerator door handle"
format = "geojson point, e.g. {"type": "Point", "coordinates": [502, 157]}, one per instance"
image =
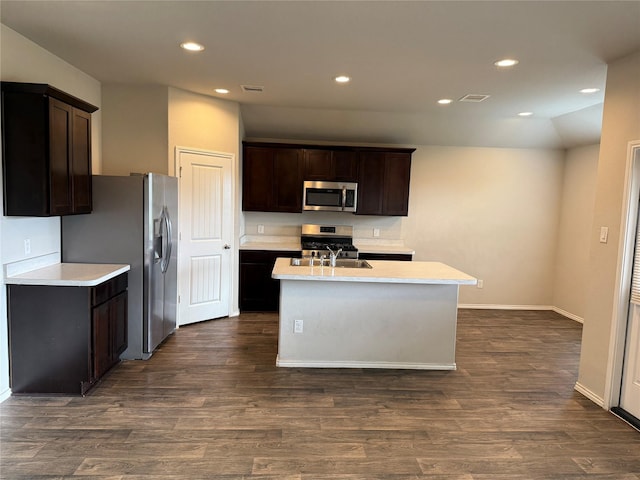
{"type": "Point", "coordinates": [167, 236]}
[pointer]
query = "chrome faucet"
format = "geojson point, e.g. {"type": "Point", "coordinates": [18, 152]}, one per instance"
{"type": "Point", "coordinates": [333, 255]}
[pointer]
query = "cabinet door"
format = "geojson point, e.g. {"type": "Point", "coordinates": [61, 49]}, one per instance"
{"type": "Point", "coordinates": [118, 321]}
{"type": "Point", "coordinates": [318, 165]}
{"type": "Point", "coordinates": [397, 173]}
{"type": "Point", "coordinates": [80, 162]}
{"type": "Point", "coordinates": [60, 115]}
{"type": "Point", "coordinates": [345, 165]}
{"type": "Point", "coordinates": [102, 342]}
{"type": "Point", "coordinates": [257, 179]}
{"type": "Point", "coordinates": [371, 168]}
{"type": "Point", "coordinates": [287, 180]}
{"type": "Point", "coordinates": [258, 291]}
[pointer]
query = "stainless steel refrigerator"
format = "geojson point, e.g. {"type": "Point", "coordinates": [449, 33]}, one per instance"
{"type": "Point", "coordinates": [134, 221]}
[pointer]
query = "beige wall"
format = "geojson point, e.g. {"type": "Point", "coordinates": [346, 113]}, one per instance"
{"type": "Point", "coordinates": [207, 123]}
{"type": "Point", "coordinates": [23, 61]}
{"type": "Point", "coordinates": [620, 125]}
{"type": "Point", "coordinates": [492, 213]}
{"type": "Point", "coordinates": [135, 129]}
{"type": "Point", "coordinates": [576, 217]}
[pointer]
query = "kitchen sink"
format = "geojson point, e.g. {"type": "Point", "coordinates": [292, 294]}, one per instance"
{"type": "Point", "coordinates": [340, 263]}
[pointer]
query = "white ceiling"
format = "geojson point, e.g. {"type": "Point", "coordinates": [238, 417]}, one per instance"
{"type": "Point", "coordinates": [402, 56]}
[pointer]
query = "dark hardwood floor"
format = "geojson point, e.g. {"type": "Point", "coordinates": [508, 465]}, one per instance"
{"type": "Point", "coordinates": [210, 404]}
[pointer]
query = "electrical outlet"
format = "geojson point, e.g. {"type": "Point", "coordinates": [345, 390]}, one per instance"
{"type": "Point", "coordinates": [27, 246]}
{"type": "Point", "coordinates": [298, 326]}
{"type": "Point", "coordinates": [376, 232]}
{"type": "Point", "coordinates": [480, 284]}
{"type": "Point", "coordinates": [261, 229]}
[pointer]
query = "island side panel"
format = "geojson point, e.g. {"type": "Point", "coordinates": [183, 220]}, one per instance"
{"type": "Point", "coordinates": [361, 325]}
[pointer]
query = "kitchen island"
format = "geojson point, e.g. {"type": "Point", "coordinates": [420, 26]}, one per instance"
{"type": "Point", "coordinates": [393, 315]}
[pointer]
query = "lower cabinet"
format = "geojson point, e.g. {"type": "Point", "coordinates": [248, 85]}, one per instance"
{"type": "Point", "coordinates": [403, 257]}
{"type": "Point", "coordinates": [109, 333]}
{"type": "Point", "coordinates": [63, 339]}
{"type": "Point", "coordinates": [258, 291]}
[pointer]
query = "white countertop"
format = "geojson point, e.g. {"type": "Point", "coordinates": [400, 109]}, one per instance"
{"type": "Point", "coordinates": [69, 275]}
{"type": "Point", "coordinates": [382, 272]}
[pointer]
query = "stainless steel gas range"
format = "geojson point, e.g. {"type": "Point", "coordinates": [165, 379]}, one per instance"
{"type": "Point", "coordinates": [320, 240]}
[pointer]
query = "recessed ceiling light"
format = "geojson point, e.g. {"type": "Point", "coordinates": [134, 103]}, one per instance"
{"type": "Point", "coordinates": [445, 101]}
{"type": "Point", "coordinates": [192, 46]}
{"type": "Point", "coordinates": [506, 62]}
{"type": "Point", "coordinates": [342, 79]}
{"type": "Point", "coordinates": [223, 91]}
{"type": "Point", "coordinates": [589, 90]}
{"type": "Point", "coordinates": [525, 114]}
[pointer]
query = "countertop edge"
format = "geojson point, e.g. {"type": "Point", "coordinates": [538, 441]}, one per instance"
{"type": "Point", "coordinates": [397, 272]}
{"type": "Point", "coordinates": [50, 276]}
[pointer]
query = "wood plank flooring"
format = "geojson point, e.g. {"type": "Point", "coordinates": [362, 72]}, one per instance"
{"type": "Point", "coordinates": [210, 404]}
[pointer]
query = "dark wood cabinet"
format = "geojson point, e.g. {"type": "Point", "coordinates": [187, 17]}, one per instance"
{"type": "Point", "coordinates": [63, 339]}
{"type": "Point", "coordinates": [271, 179]}
{"type": "Point", "coordinates": [46, 141]}
{"type": "Point", "coordinates": [273, 175]}
{"type": "Point", "coordinates": [383, 183]}
{"type": "Point", "coordinates": [258, 291]}
{"type": "Point", "coordinates": [109, 333]}
{"type": "Point", "coordinates": [330, 165]}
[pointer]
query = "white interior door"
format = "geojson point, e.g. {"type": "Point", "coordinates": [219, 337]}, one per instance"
{"type": "Point", "coordinates": [206, 235]}
{"type": "Point", "coordinates": [630, 392]}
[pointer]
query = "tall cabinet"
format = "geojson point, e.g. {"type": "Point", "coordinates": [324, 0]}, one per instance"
{"type": "Point", "coordinates": [46, 151]}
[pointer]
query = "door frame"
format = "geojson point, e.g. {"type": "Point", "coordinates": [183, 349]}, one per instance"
{"type": "Point", "coordinates": [233, 268]}
{"type": "Point", "coordinates": [629, 224]}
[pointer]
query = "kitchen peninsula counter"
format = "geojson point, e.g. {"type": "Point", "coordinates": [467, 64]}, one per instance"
{"type": "Point", "coordinates": [394, 315]}
{"type": "Point", "coordinates": [69, 275]}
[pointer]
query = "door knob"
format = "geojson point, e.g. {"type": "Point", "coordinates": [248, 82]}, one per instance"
{"type": "Point", "coordinates": [227, 246]}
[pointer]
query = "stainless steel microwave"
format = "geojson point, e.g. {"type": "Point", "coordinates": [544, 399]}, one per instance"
{"type": "Point", "coordinates": [330, 196]}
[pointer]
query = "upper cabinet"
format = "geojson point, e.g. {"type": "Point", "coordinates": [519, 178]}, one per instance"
{"type": "Point", "coordinates": [271, 179]}
{"type": "Point", "coordinates": [273, 175]}
{"type": "Point", "coordinates": [46, 142]}
{"type": "Point", "coordinates": [330, 165]}
{"type": "Point", "coordinates": [383, 183]}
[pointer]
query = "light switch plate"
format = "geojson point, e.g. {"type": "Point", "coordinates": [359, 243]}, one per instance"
{"type": "Point", "coordinates": [604, 234]}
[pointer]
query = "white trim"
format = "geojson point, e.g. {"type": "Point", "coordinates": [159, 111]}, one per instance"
{"type": "Point", "coordinates": [569, 315]}
{"type": "Point", "coordinates": [564, 313]}
{"type": "Point", "coordinates": [589, 394]}
{"type": "Point", "coordinates": [488, 306]}
{"type": "Point", "coordinates": [354, 364]}
{"type": "Point", "coordinates": [626, 247]}
{"type": "Point", "coordinates": [4, 395]}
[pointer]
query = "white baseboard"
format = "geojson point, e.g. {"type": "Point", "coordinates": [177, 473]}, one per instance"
{"type": "Point", "coordinates": [564, 313]}
{"type": "Point", "coordinates": [598, 400]}
{"type": "Point", "coordinates": [570, 315]}
{"type": "Point", "coordinates": [4, 395]}
{"type": "Point", "coordinates": [485, 306]}
{"type": "Point", "coordinates": [344, 364]}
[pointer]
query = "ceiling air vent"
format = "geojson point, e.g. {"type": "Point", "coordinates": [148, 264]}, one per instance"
{"type": "Point", "coordinates": [474, 98]}
{"type": "Point", "coordinates": [252, 88]}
